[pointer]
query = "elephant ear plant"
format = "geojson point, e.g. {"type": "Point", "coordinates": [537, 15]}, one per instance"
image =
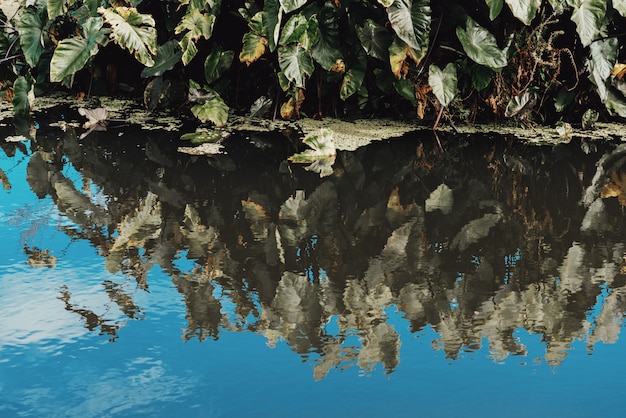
{"type": "Point", "coordinates": [353, 57]}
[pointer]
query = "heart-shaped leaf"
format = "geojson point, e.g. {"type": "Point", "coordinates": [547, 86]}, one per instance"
{"type": "Point", "coordinates": [30, 27]}
{"type": "Point", "coordinates": [375, 39]}
{"type": "Point", "coordinates": [588, 16]}
{"type": "Point", "coordinates": [411, 22]}
{"type": "Point", "coordinates": [443, 82]}
{"type": "Point", "coordinates": [295, 63]}
{"type": "Point", "coordinates": [480, 45]}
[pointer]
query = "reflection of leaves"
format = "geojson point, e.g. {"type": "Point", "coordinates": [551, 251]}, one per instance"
{"type": "Point", "coordinates": [616, 187]}
{"type": "Point", "coordinates": [37, 175]}
{"type": "Point", "coordinates": [475, 230]}
{"type": "Point", "coordinates": [92, 319]}
{"type": "Point", "coordinates": [198, 235]}
{"type": "Point", "coordinates": [441, 198]}
{"type": "Point", "coordinates": [596, 218]}
{"type": "Point", "coordinates": [322, 146]}
{"type": "Point", "coordinates": [40, 258]}
{"type": "Point", "coordinates": [322, 165]}
{"type": "Point", "coordinates": [202, 136]}
{"type": "Point", "coordinates": [4, 180]}
{"type": "Point", "coordinates": [96, 120]}
{"type": "Point", "coordinates": [122, 299]}
{"type": "Point", "coordinates": [258, 217]}
{"type": "Point", "coordinates": [135, 229]}
{"type": "Point", "coordinates": [296, 299]}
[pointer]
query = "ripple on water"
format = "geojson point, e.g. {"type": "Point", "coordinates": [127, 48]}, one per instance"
{"type": "Point", "coordinates": [33, 312]}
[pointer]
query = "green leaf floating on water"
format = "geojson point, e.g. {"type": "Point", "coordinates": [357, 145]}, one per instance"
{"type": "Point", "coordinates": [203, 136]}
{"type": "Point", "coordinates": [321, 144]}
{"type": "Point", "coordinates": [322, 154]}
{"type": "Point", "coordinates": [211, 109]}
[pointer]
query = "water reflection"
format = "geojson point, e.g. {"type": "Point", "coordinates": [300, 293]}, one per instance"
{"type": "Point", "coordinates": [478, 242]}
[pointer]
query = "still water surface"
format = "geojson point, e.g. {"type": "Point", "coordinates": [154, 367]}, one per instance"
{"type": "Point", "coordinates": [489, 280]}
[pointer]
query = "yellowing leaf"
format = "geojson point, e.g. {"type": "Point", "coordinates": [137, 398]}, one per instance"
{"type": "Point", "coordinates": [616, 187]}
{"type": "Point", "coordinates": [400, 55]}
{"type": "Point", "coordinates": [254, 47]}
{"type": "Point", "coordinates": [619, 70]}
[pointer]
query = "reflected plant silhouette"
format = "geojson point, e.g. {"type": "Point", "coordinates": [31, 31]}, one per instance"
{"type": "Point", "coordinates": [283, 253]}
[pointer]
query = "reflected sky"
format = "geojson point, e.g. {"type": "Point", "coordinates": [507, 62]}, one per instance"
{"type": "Point", "coordinates": [192, 320]}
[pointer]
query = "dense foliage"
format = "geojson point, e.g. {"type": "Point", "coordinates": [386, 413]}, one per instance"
{"type": "Point", "coordinates": [480, 59]}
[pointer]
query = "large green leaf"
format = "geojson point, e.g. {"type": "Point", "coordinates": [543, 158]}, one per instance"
{"type": "Point", "coordinates": [353, 79]}
{"type": "Point", "coordinates": [291, 5]}
{"type": "Point", "coordinates": [272, 17]}
{"type": "Point", "coordinates": [198, 24]}
{"type": "Point", "coordinates": [326, 49]}
{"type": "Point", "coordinates": [480, 45]}
{"type": "Point", "coordinates": [524, 10]}
{"type": "Point", "coordinates": [588, 16]}
{"type": "Point", "coordinates": [443, 82]}
{"type": "Point", "coordinates": [214, 110]}
{"type": "Point", "coordinates": [603, 59]}
{"type": "Point", "coordinates": [495, 7]}
{"type": "Point", "coordinates": [411, 22]}
{"type": "Point", "coordinates": [22, 93]}
{"type": "Point", "coordinates": [295, 63]}
{"type": "Point", "coordinates": [375, 39]}
{"type": "Point", "coordinates": [216, 63]}
{"type": "Point", "coordinates": [30, 27]}
{"type": "Point", "coordinates": [71, 54]}
{"type": "Point", "coordinates": [294, 30]}
{"type": "Point", "coordinates": [167, 56]}
{"type": "Point", "coordinates": [56, 8]}
{"type": "Point", "coordinates": [133, 31]}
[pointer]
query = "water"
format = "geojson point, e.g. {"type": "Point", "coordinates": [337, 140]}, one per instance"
{"type": "Point", "coordinates": [489, 280]}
